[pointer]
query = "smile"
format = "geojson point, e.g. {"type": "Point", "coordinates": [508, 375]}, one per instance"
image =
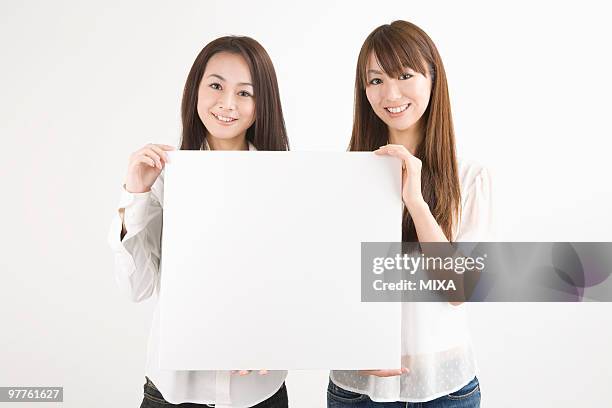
{"type": "Point", "coordinates": [225, 119]}
{"type": "Point", "coordinates": [397, 109]}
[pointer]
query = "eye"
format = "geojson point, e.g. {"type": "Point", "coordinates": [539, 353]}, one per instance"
{"type": "Point", "coordinates": [375, 81]}
{"type": "Point", "coordinates": [215, 85]}
{"type": "Point", "coordinates": [406, 76]}
{"type": "Point", "coordinates": [244, 93]}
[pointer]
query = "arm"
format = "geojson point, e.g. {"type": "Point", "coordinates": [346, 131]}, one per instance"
{"type": "Point", "coordinates": [135, 238]}
{"type": "Point", "coordinates": [476, 220]}
{"type": "Point", "coordinates": [428, 230]}
{"type": "Point", "coordinates": [475, 224]}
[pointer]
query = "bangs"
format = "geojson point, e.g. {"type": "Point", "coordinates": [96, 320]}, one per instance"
{"type": "Point", "coordinates": [394, 51]}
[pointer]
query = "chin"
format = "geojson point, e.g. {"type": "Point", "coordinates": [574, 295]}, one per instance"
{"type": "Point", "coordinates": [220, 132]}
{"type": "Point", "coordinates": [400, 127]}
{"type": "Point", "coordinates": [223, 136]}
{"type": "Point", "coordinates": [403, 125]}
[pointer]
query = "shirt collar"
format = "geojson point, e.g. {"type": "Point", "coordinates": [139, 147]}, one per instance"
{"type": "Point", "coordinates": [251, 146]}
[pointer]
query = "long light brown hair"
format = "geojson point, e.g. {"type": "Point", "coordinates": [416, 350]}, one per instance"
{"type": "Point", "coordinates": [396, 46]}
{"type": "Point", "coordinates": [268, 132]}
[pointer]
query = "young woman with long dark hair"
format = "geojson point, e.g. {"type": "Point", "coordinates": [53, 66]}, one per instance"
{"type": "Point", "coordinates": [230, 102]}
{"type": "Point", "coordinates": [402, 109]}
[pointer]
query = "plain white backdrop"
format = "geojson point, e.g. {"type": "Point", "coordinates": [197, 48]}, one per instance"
{"type": "Point", "coordinates": [83, 84]}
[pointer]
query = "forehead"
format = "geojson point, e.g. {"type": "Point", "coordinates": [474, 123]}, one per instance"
{"type": "Point", "coordinates": [232, 67]}
{"type": "Point", "coordinates": [373, 63]}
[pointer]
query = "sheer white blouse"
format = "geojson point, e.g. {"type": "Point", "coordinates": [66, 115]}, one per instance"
{"type": "Point", "coordinates": [137, 272]}
{"type": "Point", "coordinates": [436, 345]}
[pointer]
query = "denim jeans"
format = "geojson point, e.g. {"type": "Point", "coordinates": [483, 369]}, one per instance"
{"type": "Point", "coordinates": [154, 399]}
{"type": "Point", "coordinates": [466, 397]}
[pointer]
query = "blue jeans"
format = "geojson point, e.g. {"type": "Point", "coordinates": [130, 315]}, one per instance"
{"type": "Point", "coordinates": [466, 397]}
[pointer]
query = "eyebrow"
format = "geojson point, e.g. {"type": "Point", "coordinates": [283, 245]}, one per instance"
{"type": "Point", "coordinates": [223, 79]}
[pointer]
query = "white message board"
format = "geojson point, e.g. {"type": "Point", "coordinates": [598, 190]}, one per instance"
{"type": "Point", "coordinates": [261, 257]}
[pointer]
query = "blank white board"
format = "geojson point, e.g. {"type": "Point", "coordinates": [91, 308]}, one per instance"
{"type": "Point", "coordinates": [261, 257]}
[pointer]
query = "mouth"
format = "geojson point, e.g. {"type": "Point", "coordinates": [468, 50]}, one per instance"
{"type": "Point", "coordinates": [224, 119]}
{"type": "Point", "coordinates": [395, 110]}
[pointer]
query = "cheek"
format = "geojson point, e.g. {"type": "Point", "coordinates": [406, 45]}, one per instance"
{"type": "Point", "coordinates": [418, 93]}
{"type": "Point", "coordinates": [373, 97]}
{"type": "Point", "coordinates": [248, 110]}
{"type": "Point", "coordinates": [422, 92]}
{"type": "Point", "coordinates": [425, 95]}
{"type": "Point", "coordinates": [203, 104]}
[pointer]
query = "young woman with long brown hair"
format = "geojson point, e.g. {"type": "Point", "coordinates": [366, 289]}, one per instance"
{"type": "Point", "coordinates": [402, 109]}
{"type": "Point", "coordinates": [230, 102]}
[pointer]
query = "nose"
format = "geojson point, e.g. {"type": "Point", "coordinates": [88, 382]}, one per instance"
{"type": "Point", "coordinates": [226, 101]}
{"type": "Point", "coordinates": [392, 91]}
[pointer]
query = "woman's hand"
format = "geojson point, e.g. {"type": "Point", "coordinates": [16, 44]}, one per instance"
{"type": "Point", "coordinates": [385, 373]}
{"type": "Point", "coordinates": [144, 167]}
{"type": "Point", "coordinates": [411, 173]}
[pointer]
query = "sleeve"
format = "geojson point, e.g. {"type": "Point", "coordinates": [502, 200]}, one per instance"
{"type": "Point", "coordinates": [477, 217]}
{"type": "Point", "coordinates": [137, 256]}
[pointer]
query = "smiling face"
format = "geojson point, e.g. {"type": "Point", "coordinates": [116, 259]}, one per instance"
{"type": "Point", "coordinates": [226, 103]}
{"type": "Point", "coordinates": [398, 101]}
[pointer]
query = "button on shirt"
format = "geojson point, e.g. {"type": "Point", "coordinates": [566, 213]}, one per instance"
{"type": "Point", "coordinates": [436, 345]}
{"type": "Point", "coordinates": [137, 272]}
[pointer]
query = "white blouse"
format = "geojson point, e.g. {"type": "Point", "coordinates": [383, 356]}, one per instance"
{"type": "Point", "coordinates": [436, 345]}
{"type": "Point", "coordinates": [137, 272]}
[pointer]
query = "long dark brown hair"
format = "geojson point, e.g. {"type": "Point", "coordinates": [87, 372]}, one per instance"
{"type": "Point", "coordinates": [268, 132]}
{"type": "Point", "coordinates": [396, 46]}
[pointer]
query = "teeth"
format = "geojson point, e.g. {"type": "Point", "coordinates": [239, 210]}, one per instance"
{"type": "Point", "coordinates": [224, 118]}
{"type": "Point", "coordinates": [398, 109]}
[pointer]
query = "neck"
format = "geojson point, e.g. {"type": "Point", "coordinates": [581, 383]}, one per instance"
{"type": "Point", "coordinates": [235, 143]}
{"type": "Point", "coordinates": [410, 138]}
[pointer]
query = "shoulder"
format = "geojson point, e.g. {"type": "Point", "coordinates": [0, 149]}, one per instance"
{"type": "Point", "coordinates": [471, 173]}
{"type": "Point", "coordinates": [476, 218]}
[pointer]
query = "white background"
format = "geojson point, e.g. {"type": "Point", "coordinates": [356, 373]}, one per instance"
{"type": "Point", "coordinates": [83, 84]}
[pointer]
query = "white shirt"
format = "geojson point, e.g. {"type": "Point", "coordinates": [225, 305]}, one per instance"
{"type": "Point", "coordinates": [137, 271]}
{"type": "Point", "coordinates": [436, 345]}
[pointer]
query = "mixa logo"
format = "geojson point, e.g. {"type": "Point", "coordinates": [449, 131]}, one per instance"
{"type": "Point", "coordinates": [436, 284]}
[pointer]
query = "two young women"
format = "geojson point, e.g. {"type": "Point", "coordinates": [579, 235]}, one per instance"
{"type": "Point", "coordinates": [231, 102]}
